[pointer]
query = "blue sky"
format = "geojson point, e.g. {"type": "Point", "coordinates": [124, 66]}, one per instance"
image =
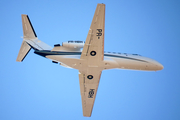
{"type": "Point", "coordinates": [39, 90]}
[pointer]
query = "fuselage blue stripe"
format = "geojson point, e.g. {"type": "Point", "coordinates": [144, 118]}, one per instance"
{"type": "Point", "coordinates": [44, 53]}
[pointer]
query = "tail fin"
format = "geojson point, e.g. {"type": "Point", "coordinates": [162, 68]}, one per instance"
{"type": "Point", "coordinates": [29, 39]}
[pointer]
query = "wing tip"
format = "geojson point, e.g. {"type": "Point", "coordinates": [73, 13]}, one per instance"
{"type": "Point", "coordinates": [85, 115]}
{"type": "Point", "coordinates": [102, 4]}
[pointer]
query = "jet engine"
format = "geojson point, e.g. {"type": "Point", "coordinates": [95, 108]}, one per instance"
{"type": "Point", "coordinates": [74, 46]}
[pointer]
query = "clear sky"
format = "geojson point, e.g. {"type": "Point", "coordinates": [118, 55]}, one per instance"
{"type": "Point", "coordinates": [37, 89]}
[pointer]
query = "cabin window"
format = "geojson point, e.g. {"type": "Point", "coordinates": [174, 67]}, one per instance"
{"type": "Point", "coordinates": [70, 41]}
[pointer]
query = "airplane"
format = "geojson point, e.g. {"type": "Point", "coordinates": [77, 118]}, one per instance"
{"type": "Point", "coordinates": [88, 57]}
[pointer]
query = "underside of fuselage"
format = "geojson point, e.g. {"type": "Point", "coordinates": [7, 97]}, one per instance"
{"type": "Point", "coordinates": [111, 61]}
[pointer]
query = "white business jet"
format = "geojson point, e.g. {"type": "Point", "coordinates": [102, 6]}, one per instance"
{"type": "Point", "coordinates": [88, 57]}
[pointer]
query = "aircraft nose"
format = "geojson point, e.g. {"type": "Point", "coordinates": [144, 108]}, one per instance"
{"type": "Point", "coordinates": [159, 66]}
{"type": "Point", "coordinates": [155, 66]}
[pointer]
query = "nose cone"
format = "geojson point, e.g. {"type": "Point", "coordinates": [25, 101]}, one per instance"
{"type": "Point", "coordinates": [159, 66]}
{"type": "Point", "coordinates": [154, 65]}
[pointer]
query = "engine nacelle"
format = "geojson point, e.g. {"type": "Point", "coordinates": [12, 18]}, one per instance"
{"type": "Point", "coordinates": [73, 44]}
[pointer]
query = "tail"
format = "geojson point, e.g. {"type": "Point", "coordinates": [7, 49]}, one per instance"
{"type": "Point", "coordinates": [30, 40]}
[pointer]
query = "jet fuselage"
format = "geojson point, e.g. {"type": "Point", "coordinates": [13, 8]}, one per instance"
{"type": "Point", "coordinates": [111, 60]}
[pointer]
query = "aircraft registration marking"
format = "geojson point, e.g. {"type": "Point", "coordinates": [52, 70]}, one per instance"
{"type": "Point", "coordinates": [91, 93]}
{"type": "Point", "coordinates": [99, 33]}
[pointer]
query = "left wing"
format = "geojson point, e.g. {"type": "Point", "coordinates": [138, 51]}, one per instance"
{"type": "Point", "coordinates": [89, 82]}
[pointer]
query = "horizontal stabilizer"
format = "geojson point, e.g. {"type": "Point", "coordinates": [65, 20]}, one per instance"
{"type": "Point", "coordinates": [28, 30]}
{"type": "Point", "coordinates": [25, 48]}
{"type": "Point", "coordinates": [30, 40]}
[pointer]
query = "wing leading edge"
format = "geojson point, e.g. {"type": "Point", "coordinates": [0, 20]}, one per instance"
{"type": "Point", "coordinates": [92, 55]}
